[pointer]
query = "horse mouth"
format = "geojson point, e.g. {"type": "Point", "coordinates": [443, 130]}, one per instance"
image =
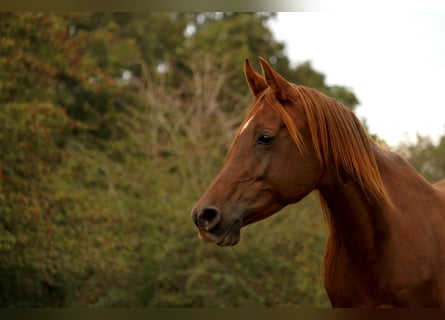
{"type": "Point", "coordinates": [230, 238]}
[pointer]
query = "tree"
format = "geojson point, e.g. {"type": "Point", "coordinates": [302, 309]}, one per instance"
{"type": "Point", "coordinates": [59, 100]}
{"type": "Point", "coordinates": [426, 157]}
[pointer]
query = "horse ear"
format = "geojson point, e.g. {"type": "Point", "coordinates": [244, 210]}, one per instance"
{"type": "Point", "coordinates": [275, 81]}
{"type": "Point", "coordinates": [256, 81]}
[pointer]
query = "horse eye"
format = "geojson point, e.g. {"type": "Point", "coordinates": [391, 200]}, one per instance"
{"type": "Point", "coordinates": [265, 138]}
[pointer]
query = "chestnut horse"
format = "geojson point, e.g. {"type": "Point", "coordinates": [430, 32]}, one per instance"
{"type": "Point", "coordinates": [386, 244]}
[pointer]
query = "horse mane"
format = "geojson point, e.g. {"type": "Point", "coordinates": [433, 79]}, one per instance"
{"type": "Point", "coordinates": [338, 137]}
{"type": "Point", "coordinates": [339, 140]}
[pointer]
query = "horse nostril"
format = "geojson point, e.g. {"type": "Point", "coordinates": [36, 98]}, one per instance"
{"type": "Point", "coordinates": [209, 218]}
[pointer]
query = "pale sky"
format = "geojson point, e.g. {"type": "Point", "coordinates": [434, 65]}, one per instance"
{"type": "Point", "coordinates": [393, 62]}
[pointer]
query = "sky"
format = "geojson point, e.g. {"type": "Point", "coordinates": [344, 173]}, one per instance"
{"type": "Point", "coordinates": [393, 61]}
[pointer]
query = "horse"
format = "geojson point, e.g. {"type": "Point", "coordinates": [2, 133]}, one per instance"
{"type": "Point", "coordinates": [386, 223]}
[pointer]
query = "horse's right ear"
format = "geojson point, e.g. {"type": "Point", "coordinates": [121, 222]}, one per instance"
{"type": "Point", "coordinates": [257, 83]}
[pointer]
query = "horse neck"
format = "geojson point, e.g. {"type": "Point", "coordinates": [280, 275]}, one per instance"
{"type": "Point", "coordinates": [357, 224]}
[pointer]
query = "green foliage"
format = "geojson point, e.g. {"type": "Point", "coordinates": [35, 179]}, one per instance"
{"type": "Point", "coordinates": [60, 215]}
{"type": "Point", "coordinates": [426, 157]}
{"type": "Point", "coordinates": [111, 127]}
{"type": "Point", "coordinates": [66, 214]}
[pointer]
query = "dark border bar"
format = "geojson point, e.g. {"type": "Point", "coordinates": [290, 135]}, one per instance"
{"type": "Point", "coordinates": [224, 314]}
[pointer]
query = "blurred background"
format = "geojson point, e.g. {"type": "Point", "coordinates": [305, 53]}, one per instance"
{"type": "Point", "coordinates": [112, 125]}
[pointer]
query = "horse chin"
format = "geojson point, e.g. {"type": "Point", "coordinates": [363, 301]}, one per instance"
{"type": "Point", "coordinates": [232, 236]}
{"type": "Point", "coordinates": [230, 239]}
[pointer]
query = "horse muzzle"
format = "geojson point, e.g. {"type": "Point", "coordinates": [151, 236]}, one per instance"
{"type": "Point", "coordinates": [212, 228]}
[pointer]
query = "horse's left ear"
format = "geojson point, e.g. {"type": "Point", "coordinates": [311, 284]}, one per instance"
{"type": "Point", "coordinates": [256, 81]}
{"type": "Point", "coordinates": [280, 86]}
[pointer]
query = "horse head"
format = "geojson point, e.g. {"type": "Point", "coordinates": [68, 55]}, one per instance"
{"type": "Point", "coordinates": [270, 164]}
